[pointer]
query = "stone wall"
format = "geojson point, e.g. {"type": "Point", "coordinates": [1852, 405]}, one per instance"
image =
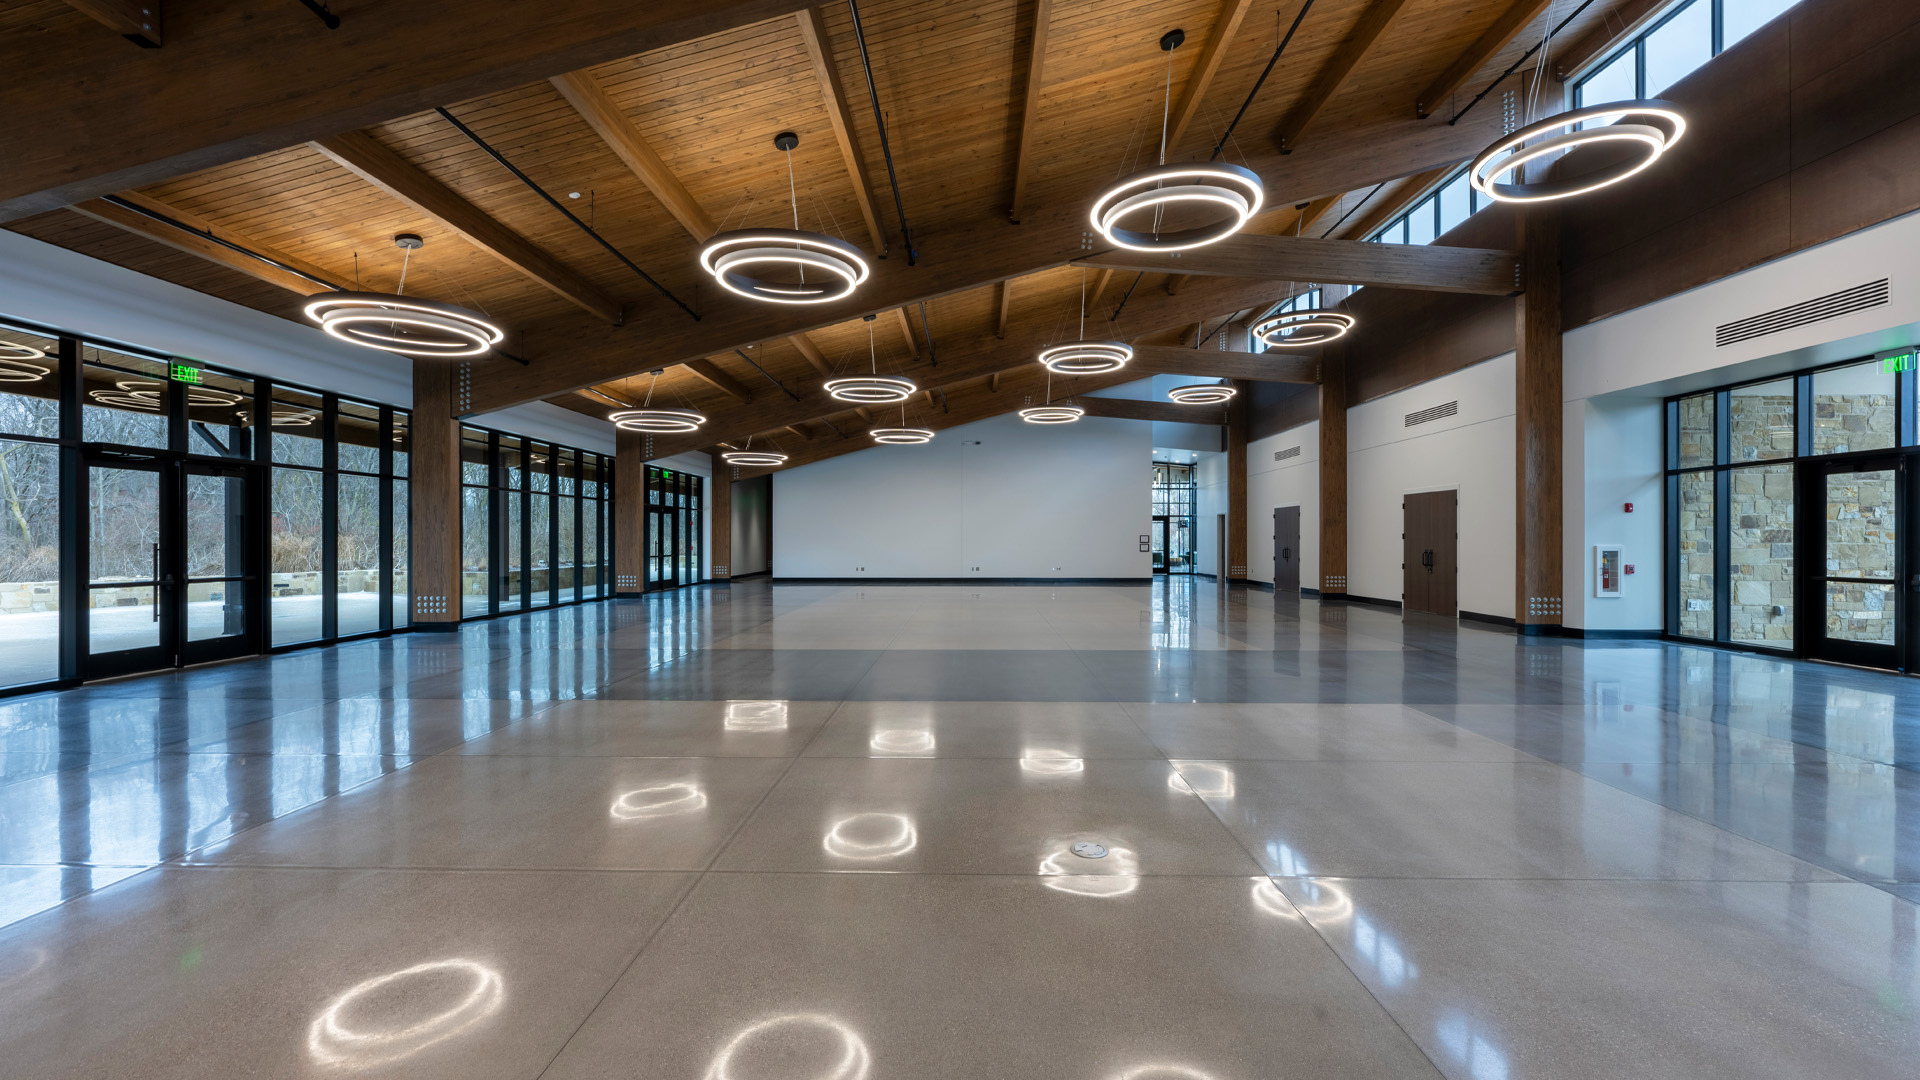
{"type": "Point", "coordinates": [1844, 422]}
{"type": "Point", "coordinates": [1860, 543]}
{"type": "Point", "coordinates": [1760, 549]}
{"type": "Point", "coordinates": [1696, 555]}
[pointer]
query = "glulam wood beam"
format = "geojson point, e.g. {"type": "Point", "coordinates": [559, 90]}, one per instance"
{"type": "Point", "coordinates": [1486, 271]}
{"type": "Point", "coordinates": [1504, 29]}
{"type": "Point", "coordinates": [1005, 306]}
{"type": "Point", "coordinates": [813, 31]}
{"type": "Point", "coordinates": [905, 326]}
{"type": "Point", "coordinates": [256, 78]}
{"type": "Point", "coordinates": [370, 160]}
{"type": "Point", "coordinates": [1538, 600]}
{"type": "Point", "coordinates": [812, 352]}
{"type": "Point", "coordinates": [1280, 365]}
{"type": "Point", "coordinates": [720, 522]}
{"type": "Point", "coordinates": [1030, 110]}
{"type": "Point", "coordinates": [1333, 475]}
{"type": "Point", "coordinates": [620, 135]}
{"type": "Point", "coordinates": [1164, 412]}
{"type": "Point", "coordinates": [711, 373]}
{"type": "Point", "coordinates": [1385, 210]}
{"type": "Point", "coordinates": [202, 244]}
{"type": "Point", "coordinates": [629, 512]}
{"type": "Point", "coordinates": [436, 578]}
{"type": "Point", "coordinates": [138, 20]}
{"type": "Point", "coordinates": [1232, 13]}
{"type": "Point", "coordinates": [1374, 22]}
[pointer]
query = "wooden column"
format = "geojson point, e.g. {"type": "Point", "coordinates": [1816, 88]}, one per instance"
{"type": "Point", "coordinates": [435, 491]}
{"type": "Point", "coordinates": [720, 521]}
{"type": "Point", "coordinates": [1236, 568]}
{"type": "Point", "coordinates": [629, 513]}
{"type": "Point", "coordinates": [1536, 426]}
{"type": "Point", "coordinates": [1333, 475]}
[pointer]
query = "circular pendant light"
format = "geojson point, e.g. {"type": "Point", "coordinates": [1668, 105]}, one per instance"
{"type": "Point", "coordinates": [1052, 414]}
{"type": "Point", "coordinates": [651, 421]}
{"type": "Point", "coordinates": [1087, 357]}
{"type": "Point", "coordinates": [872, 388]}
{"type": "Point", "coordinates": [1229, 190]}
{"type": "Point", "coordinates": [902, 436]}
{"type": "Point", "coordinates": [822, 268]}
{"type": "Point", "coordinates": [16, 363]}
{"type": "Point", "coordinates": [402, 324]}
{"type": "Point", "coordinates": [12, 351]}
{"type": "Point", "coordinates": [1202, 394]}
{"type": "Point", "coordinates": [1646, 128]}
{"type": "Point", "coordinates": [752, 458]}
{"type": "Point", "coordinates": [1293, 329]}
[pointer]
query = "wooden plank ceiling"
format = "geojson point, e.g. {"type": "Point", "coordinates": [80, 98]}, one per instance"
{"type": "Point", "coordinates": [953, 81]}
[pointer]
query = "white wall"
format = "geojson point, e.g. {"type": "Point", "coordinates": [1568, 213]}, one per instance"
{"type": "Point", "coordinates": [752, 523]}
{"type": "Point", "coordinates": [1293, 482]}
{"type": "Point", "coordinates": [1471, 452]}
{"type": "Point", "coordinates": [1016, 500]}
{"type": "Point", "coordinates": [1611, 457]}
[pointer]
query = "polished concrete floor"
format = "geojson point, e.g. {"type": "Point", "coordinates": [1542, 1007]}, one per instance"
{"type": "Point", "coordinates": [822, 833]}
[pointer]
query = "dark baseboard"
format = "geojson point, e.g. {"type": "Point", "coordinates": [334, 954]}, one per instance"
{"type": "Point", "coordinates": [436, 627]}
{"type": "Point", "coordinates": [1534, 629]}
{"type": "Point", "coordinates": [1497, 620]}
{"type": "Point", "coordinates": [1309, 593]}
{"type": "Point", "coordinates": [960, 581]}
{"type": "Point", "coordinates": [1610, 635]}
{"type": "Point", "coordinates": [747, 577]}
{"type": "Point", "coordinates": [1374, 601]}
{"type": "Point", "coordinates": [1339, 596]}
{"type": "Point", "coordinates": [1262, 586]}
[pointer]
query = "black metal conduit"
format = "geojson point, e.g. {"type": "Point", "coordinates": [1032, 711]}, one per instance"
{"type": "Point", "coordinates": [208, 234]}
{"type": "Point", "coordinates": [932, 357]}
{"type": "Point", "coordinates": [324, 12]}
{"type": "Point", "coordinates": [1355, 207]}
{"type": "Point", "coordinates": [1555, 32]}
{"type": "Point", "coordinates": [555, 203]}
{"type": "Point", "coordinates": [906, 232]}
{"type": "Point", "coordinates": [1215, 330]}
{"type": "Point", "coordinates": [1261, 81]}
{"type": "Point", "coordinates": [1115, 317]}
{"type": "Point", "coordinates": [783, 389]}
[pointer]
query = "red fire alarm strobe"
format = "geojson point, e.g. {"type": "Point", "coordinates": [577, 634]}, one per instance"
{"type": "Point", "coordinates": [1627, 570]}
{"type": "Point", "coordinates": [1629, 508]}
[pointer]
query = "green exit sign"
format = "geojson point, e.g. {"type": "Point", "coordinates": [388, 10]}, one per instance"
{"type": "Point", "coordinates": [1896, 362]}
{"type": "Point", "coordinates": [180, 372]}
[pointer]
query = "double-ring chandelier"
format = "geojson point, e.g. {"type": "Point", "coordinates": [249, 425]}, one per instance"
{"type": "Point", "coordinates": [1086, 357]}
{"type": "Point", "coordinates": [902, 435]}
{"type": "Point", "coordinates": [16, 362]}
{"type": "Point", "coordinates": [1049, 413]}
{"type": "Point", "coordinates": [1294, 329]}
{"type": "Point", "coordinates": [872, 388]}
{"type": "Point", "coordinates": [747, 456]}
{"type": "Point", "coordinates": [1646, 128]}
{"type": "Point", "coordinates": [821, 268]}
{"type": "Point", "coordinates": [1201, 394]}
{"type": "Point", "coordinates": [652, 421]}
{"type": "Point", "coordinates": [398, 323]}
{"type": "Point", "coordinates": [1164, 188]}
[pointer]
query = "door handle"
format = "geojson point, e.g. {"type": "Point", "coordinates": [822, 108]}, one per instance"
{"type": "Point", "coordinates": [1286, 553]}
{"type": "Point", "coordinates": [156, 583]}
{"type": "Point", "coordinates": [1426, 560]}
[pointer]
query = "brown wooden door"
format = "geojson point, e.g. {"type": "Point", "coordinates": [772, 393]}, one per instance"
{"type": "Point", "coordinates": [1431, 552]}
{"type": "Point", "coordinates": [1286, 549]}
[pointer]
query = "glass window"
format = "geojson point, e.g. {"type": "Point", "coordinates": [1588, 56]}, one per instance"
{"type": "Point", "coordinates": [402, 441]}
{"type": "Point", "coordinates": [1455, 204]}
{"type": "Point", "coordinates": [29, 384]}
{"type": "Point", "coordinates": [220, 416]}
{"type": "Point", "coordinates": [512, 573]}
{"type": "Point", "coordinates": [358, 430]}
{"type": "Point", "coordinates": [1695, 571]}
{"type": "Point", "coordinates": [1696, 431]}
{"type": "Point", "coordinates": [1617, 81]}
{"type": "Point", "coordinates": [1395, 233]}
{"type": "Point", "coordinates": [1760, 550]}
{"type": "Point", "coordinates": [297, 431]}
{"type": "Point", "coordinates": [402, 557]}
{"type": "Point", "coordinates": [1853, 409]}
{"type": "Point", "coordinates": [473, 457]}
{"type": "Point", "coordinates": [1861, 543]}
{"type": "Point", "coordinates": [30, 562]}
{"type": "Point", "coordinates": [1760, 421]}
{"type": "Point", "coordinates": [357, 555]}
{"type": "Point", "coordinates": [125, 399]}
{"type": "Point", "coordinates": [1420, 222]}
{"type": "Point", "coordinates": [297, 543]}
{"type": "Point", "coordinates": [1738, 18]}
{"type": "Point", "coordinates": [1679, 46]}
{"type": "Point", "coordinates": [475, 551]}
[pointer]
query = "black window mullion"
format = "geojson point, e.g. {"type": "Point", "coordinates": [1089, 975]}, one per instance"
{"type": "Point", "coordinates": [1722, 554]}
{"type": "Point", "coordinates": [496, 524]}
{"type": "Point", "coordinates": [329, 517]}
{"type": "Point", "coordinates": [74, 552]}
{"type": "Point", "coordinates": [385, 436]}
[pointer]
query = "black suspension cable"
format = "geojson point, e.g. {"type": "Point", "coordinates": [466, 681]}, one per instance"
{"type": "Point", "coordinates": [859, 35]}
{"type": "Point", "coordinates": [555, 203]}
{"type": "Point", "coordinates": [928, 330]}
{"type": "Point", "coordinates": [1115, 317]}
{"type": "Point", "coordinates": [1215, 330]}
{"type": "Point", "coordinates": [1272, 60]}
{"type": "Point", "coordinates": [1555, 32]}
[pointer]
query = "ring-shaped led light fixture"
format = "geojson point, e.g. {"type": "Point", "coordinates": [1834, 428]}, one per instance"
{"type": "Point", "coordinates": [902, 436]}
{"type": "Point", "coordinates": [657, 421]}
{"type": "Point", "coordinates": [1052, 414]}
{"type": "Point", "coordinates": [1294, 329]}
{"type": "Point", "coordinates": [732, 256]}
{"type": "Point", "coordinates": [871, 389]}
{"type": "Point", "coordinates": [1086, 357]}
{"type": "Point", "coordinates": [1650, 127]}
{"type": "Point", "coordinates": [753, 458]}
{"type": "Point", "coordinates": [13, 350]}
{"type": "Point", "coordinates": [1201, 394]}
{"type": "Point", "coordinates": [1236, 190]}
{"type": "Point", "coordinates": [12, 370]}
{"type": "Point", "coordinates": [404, 324]}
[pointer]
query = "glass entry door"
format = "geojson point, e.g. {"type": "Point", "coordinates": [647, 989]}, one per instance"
{"type": "Point", "coordinates": [170, 574]}
{"type": "Point", "coordinates": [1860, 576]}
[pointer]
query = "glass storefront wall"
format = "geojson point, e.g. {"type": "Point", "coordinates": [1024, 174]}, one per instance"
{"type": "Point", "coordinates": [1783, 507]}
{"type": "Point", "coordinates": [535, 527]}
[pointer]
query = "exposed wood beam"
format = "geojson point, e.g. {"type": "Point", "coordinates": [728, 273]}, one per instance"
{"type": "Point", "coordinates": [1627, 18]}
{"type": "Point", "coordinates": [812, 352]}
{"type": "Point", "coordinates": [710, 373]}
{"type": "Point", "coordinates": [813, 30]}
{"type": "Point", "coordinates": [1165, 412]}
{"type": "Point", "coordinates": [1504, 29]}
{"type": "Point", "coordinates": [1538, 406]}
{"type": "Point", "coordinates": [1227, 25]}
{"type": "Point", "coordinates": [800, 430]}
{"type": "Point", "coordinates": [603, 115]}
{"type": "Point", "coordinates": [1373, 23]}
{"type": "Point", "coordinates": [202, 245]}
{"type": "Point", "coordinates": [1334, 400]}
{"type": "Point", "coordinates": [993, 382]}
{"type": "Point", "coordinates": [1006, 306]}
{"type": "Point", "coordinates": [367, 158]}
{"type": "Point", "coordinates": [1280, 365]}
{"type": "Point", "coordinates": [905, 324]}
{"type": "Point", "coordinates": [254, 78]}
{"type": "Point", "coordinates": [1099, 286]}
{"type": "Point", "coordinates": [572, 353]}
{"type": "Point", "coordinates": [1036, 66]}
{"type": "Point", "coordinates": [136, 19]}
{"type": "Point", "coordinates": [1303, 219]}
{"type": "Point", "coordinates": [1352, 262]}
{"type": "Point", "coordinates": [1384, 210]}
